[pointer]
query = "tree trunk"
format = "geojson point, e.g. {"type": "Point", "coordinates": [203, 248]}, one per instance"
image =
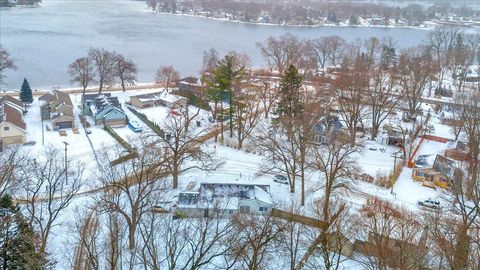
{"type": "Point", "coordinates": [215, 119]}
{"type": "Point", "coordinates": [352, 136]}
{"type": "Point", "coordinates": [374, 132]}
{"type": "Point", "coordinates": [175, 176]}
{"type": "Point", "coordinates": [230, 114]}
{"type": "Point", "coordinates": [221, 121]}
{"type": "Point", "coordinates": [131, 237]}
{"type": "Point", "coordinates": [460, 260]}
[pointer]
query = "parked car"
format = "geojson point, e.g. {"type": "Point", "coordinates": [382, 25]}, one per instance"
{"type": "Point", "coordinates": [430, 203]}
{"type": "Point", "coordinates": [280, 179]}
{"type": "Point", "coordinates": [30, 143]}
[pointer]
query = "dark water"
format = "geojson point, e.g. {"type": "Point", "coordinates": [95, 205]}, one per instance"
{"type": "Point", "coordinates": [43, 41]}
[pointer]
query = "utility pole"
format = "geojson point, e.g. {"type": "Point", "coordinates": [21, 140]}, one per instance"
{"type": "Point", "coordinates": [395, 165]}
{"type": "Point", "coordinates": [43, 135]}
{"type": "Point", "coordinates": [66, 163]}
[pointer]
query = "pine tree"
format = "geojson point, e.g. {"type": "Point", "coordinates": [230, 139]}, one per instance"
{"type": "Point", "coordinates": [17, 240]}
{"type": "Point", "coordinates": [26, 92]}
{"type": "Point", "coordinates": [225, 76]}
{"type": "Point", "coordinates": [290, 104]}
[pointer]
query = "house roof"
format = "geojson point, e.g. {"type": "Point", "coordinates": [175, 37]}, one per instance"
{"type": "Point", "coordinates": [91, 97]}
{"type": "Point", "coordinates": [190, 80]}
{"type": "Point", "coordinates": [106, 102]}
{"type": "Point", "coordinates": [225, 195]}
{"type": "Point", "coordinates": [10, 113]}
{"type": "Point", "coordinates": [112, 109]}
{"type": "Point", "coordinates": [159, 96]}
{"type": "Point", "coordinates": [59, 102]}
{"type": "Point", "coordinates": [13, 100]}
{"type": "Point", "coordinates": [57, 95]}
{"type": "Point", "coordinates": [447, 167]}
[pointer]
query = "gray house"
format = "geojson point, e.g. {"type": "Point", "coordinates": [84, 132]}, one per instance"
{"type": "Point", "coordinates": [57, 107]}
{"type": "Point", "coordinates": [224, 199]}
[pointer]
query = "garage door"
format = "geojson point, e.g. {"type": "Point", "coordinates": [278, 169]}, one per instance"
{"type": "Point", "coordinates": [64, 124]}
{"type": "Point", "coordinates": [12, 140]}
{"type": "Point", "coordinates": [117, 122]}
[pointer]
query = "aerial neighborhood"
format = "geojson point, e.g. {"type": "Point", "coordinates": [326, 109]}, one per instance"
{"type": "Point", "coordinates": [325, 152]}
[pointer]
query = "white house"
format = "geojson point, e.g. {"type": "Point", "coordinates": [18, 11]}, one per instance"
{"type": "Point", "coordinates": [224, 200]}
{"type": "Point", "coordinates": [12, 125]}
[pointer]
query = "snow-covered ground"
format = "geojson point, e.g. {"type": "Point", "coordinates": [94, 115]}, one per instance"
{"type": "Point", "coordinates": [239, 166]}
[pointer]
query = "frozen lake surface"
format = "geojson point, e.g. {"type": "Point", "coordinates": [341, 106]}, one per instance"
{"type": "Point", "coordinates": [44, 41]}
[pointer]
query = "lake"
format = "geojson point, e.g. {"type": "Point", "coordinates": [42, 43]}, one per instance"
{"type": "Point", "coordinates": [44, 41]}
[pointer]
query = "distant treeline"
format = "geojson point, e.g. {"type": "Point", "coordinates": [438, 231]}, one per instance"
{"type": "Point", "coordinates": [301, 13]}
{"type": "Point", "coordinates": [12, 3]}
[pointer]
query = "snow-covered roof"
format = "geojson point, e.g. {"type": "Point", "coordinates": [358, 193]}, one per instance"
{"type": "Point", "coordinates": [10, 112]}
{"type": "Point", "coordinates": [159, 96]}
{"type": "Point", "coordinates": [224, 195]}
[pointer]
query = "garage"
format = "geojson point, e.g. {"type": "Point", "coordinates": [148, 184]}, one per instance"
{"type": "Point", "coordinates": [63, 125]}
{"type": "Point", "coordinates": [116, 122]}
{"type": "Point", "coordinates": [13, 140]}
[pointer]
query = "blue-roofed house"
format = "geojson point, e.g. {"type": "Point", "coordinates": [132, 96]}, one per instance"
{"type": "Point", "coordinates": [104, 109]}
{"type": "Point", "coordinates": [326, 130]}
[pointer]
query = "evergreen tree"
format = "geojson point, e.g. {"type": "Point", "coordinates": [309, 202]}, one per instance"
{"type": "Point", "coordinates": [26, 92]}
{"type": "Point", "coordinates": [290, 104]}
{"type": "Point", "coordinates": [225, 76]}
{"type": "Point", "coordinates": [353, 20]}
{"type": "Point", "coordinates": [388, 58]}
{"type": "Point", "coordinates": [18, 249]}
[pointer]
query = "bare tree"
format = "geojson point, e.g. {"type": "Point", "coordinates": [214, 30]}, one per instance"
{"type": "Point", "coordinates": [133, 187]}
{"type": "Point", "coordinates": [351, 88]}
{"type": "Point", "coordinates": [292, 240]}
{"type": "Point", "coordinates": [125, 70]}
{"type": "Point", "coordinates": [209, 63]}
{"type": "Point", "coordinates": [247, 115]}
{"type": "Point", "coordinates": [441, 42]}
{"type": "Point", "coordinates": [263, 86]}
{"type": "Point", "coordinates": [167, 76]}
{"type": "Point", "coordinates": [337, 46]}
{"type": "Point", "coordinates": [87, 235]}
{"type": "Point", "coordinates": [464, 58]}
{"type": "Point", "coordinates": [328, 245]}
{"type": "Point", "coordinates": [81, 71]}
{"type": "Point", "coordinates": [455, 231]}
{"type": "Point", "coordinates": [382, 98]}
{"type": "Point", "coordinates": [6, 62]}
{"type": "Point", "coordinates": [372, 50]}
{"type": "Point", "coordinates": [104, 62]}
{"type": "Point", "coordinates": [281, 52]}
{"type": "Point", "coordinates": [415, 71]}
{"type": "Point", "coordinates": [113, 246]}
{"type": "Point", "coordinates": [253, 241]}
{"type": "Point", "coordinates": [11, 161]}
{"type": "Point", "coordinates": [182, 143]}
{"type": "Point", "coordinates": [457, 121]}
{"type": "Point", "coordinates": [394, 237]}
{"type": "Point", "coordinates": [50, 190]}
{"type": "Point", "coordinates": [280, 155]}
{"type": "Point", "coordinates": [322, 49]}
{"type": "Point", "coordinates": [470, 114]}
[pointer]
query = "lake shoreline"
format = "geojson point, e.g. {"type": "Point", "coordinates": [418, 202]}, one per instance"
{"type": "Point", "coordinates": [427, 25]}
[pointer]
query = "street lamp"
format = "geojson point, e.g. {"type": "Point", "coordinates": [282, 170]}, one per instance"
{"type": "Point", "coordinates": [66, 174]}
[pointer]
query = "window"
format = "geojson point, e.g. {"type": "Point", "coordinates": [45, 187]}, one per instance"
{"type": "Point", "coordinates": [244, 209]}
{"type": "Point", "coordinates": [6, 128]}
{"type": "Point", "coordinates": [230, 212]}
{"type": "Point", "coordinates": [421, 174]}
{"type": "Point", "coordinates": [263, 209]}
